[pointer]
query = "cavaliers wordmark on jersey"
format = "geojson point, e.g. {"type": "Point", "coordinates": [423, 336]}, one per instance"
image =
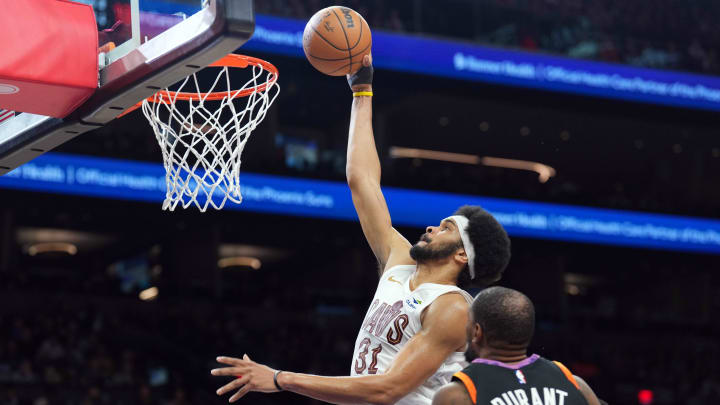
{"type": "Point", "coordinates": [392, 320]}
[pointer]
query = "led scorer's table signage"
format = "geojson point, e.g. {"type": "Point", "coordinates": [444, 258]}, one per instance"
{"type": "Point", "coordinates": [128, 180]}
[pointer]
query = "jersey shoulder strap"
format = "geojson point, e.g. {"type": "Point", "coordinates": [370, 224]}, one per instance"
{"type": "Point", "coordinates": [567, 373]}
{"type": "Point", "coordinates": [469, 385]}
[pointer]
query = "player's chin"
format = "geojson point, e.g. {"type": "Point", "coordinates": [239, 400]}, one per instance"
{"type": "Point", "coordinates": [417, 251]}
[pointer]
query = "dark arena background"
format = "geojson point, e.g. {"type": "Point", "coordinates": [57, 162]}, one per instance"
{"type": "Point", "coordinates": [107, 299]}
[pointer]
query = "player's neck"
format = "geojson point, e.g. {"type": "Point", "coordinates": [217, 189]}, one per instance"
{"type": "Point", "coordinates": [507, 356]}
{"type": "Point", "coordinates": [433, 273]}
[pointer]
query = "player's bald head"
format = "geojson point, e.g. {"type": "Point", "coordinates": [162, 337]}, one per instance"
{"type": "Point", "coordinates": [506, 316]}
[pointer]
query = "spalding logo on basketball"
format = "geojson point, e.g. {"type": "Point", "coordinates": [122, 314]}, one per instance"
{"type": "Point", "coordinates": [336, 39]}
{"type": "Point", "coordinates": [8, 89]}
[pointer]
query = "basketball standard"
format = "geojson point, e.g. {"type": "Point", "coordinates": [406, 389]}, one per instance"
{"type": "Point", "coordinates": [158, 43]}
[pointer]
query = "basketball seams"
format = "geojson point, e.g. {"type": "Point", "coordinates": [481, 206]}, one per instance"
{"type": "Point", "coordinates": [347, 40]}
{"type": "Point", "coordinates": [360, 53]}
{"type": "Point", "coordinates": [343, 67]}
{"type": "Point", "coordinates": [326, 40]}
{"type": "Point", "coordinates": [362, 23]}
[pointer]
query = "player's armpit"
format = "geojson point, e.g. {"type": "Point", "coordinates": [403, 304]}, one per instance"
{"type": "Point", "coordinates": [452, 394]}
{"type": "Point", "coordinates": [443, 332]}
{"type": "Point", "coordinates": [587, 392]}
{"type": "Point", "coordinates": [399, 251]}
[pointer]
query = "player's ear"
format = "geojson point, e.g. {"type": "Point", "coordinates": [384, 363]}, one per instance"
{"type": "Point", "coordinates": [477, 336]}
{"type": "Point", "coordinates": [461, 256]}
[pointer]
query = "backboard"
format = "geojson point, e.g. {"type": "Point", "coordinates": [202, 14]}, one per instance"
{"type": "Point", "coordinates": [147, 45]}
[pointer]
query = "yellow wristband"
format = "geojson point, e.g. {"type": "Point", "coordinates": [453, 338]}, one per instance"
{"type": "Point", "coordinates": [363, 93]}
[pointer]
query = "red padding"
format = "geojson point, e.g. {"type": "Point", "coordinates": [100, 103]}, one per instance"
{"type": "Point", "coordinates": [48, 56]}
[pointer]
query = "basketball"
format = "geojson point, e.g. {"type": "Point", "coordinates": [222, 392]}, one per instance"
{"type": "Point", "coordinates": [336, 39]}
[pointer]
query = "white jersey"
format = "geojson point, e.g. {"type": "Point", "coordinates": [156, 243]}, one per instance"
{"type": "Point", "coordinates": [392, 320]}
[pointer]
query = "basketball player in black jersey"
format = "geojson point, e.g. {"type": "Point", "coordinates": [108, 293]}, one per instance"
{"type": "Point", "coordinates": [500, 327]}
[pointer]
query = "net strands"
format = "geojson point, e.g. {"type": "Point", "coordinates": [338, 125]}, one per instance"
{"type": "Point", "coordinates": [202, 135]}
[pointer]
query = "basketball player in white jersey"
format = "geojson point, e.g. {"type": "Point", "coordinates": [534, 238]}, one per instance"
{"type": "Point", "coordinates": [413, 337]}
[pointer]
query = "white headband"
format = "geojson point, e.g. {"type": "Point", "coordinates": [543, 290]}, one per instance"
{"type": "Point", "coordinates": [462, 224]}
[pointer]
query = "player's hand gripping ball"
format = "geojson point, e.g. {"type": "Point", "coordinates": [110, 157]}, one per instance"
{"type": "Point", "coordinates": [336, 39]}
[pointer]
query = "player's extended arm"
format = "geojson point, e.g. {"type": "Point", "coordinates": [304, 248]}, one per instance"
{"type": "Point", "coordinates": [442, 334]}
{"type": "Point", "coordinates": [363, 177]}
{"type": "Point", "coordinates": [452, 394]}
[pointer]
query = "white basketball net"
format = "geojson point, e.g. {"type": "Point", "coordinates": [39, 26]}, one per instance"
{"type": "Point", "coordinates": [202, 145]}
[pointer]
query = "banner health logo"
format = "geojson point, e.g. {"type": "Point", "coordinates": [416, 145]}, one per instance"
{"type": "Point", "coordinates": [485, 66]}
{"type": "Point", "coordinates": [459, 61]}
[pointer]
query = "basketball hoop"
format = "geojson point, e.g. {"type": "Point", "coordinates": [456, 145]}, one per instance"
{"type": "Point", "coordinates": [202, 140]}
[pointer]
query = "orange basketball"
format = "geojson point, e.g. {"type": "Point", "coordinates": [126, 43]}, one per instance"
{"type": "Point", "coordinates": [336, 39]}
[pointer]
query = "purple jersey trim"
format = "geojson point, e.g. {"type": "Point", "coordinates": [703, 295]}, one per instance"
{"type": "Point", "coordinates": [515, 366]}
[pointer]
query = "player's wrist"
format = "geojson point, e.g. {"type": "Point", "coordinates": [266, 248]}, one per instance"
{"type": "Point", "coordinates": [362, 88]}
{"type": "Point", "coordinates": [276, 380]}
{"type": "Point", "coordinates": [284, 380]}
{"type": "Point", "coordinates": [361, 78]}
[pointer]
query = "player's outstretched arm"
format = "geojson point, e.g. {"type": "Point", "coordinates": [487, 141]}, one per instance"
{"type": "Point", "coordinates": [363, 176]}
{"type": "Point", "coordinates": [443, 333]}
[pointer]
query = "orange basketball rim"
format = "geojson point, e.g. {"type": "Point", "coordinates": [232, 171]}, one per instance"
{"type": "Point", "coordinates": [232, 61]}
